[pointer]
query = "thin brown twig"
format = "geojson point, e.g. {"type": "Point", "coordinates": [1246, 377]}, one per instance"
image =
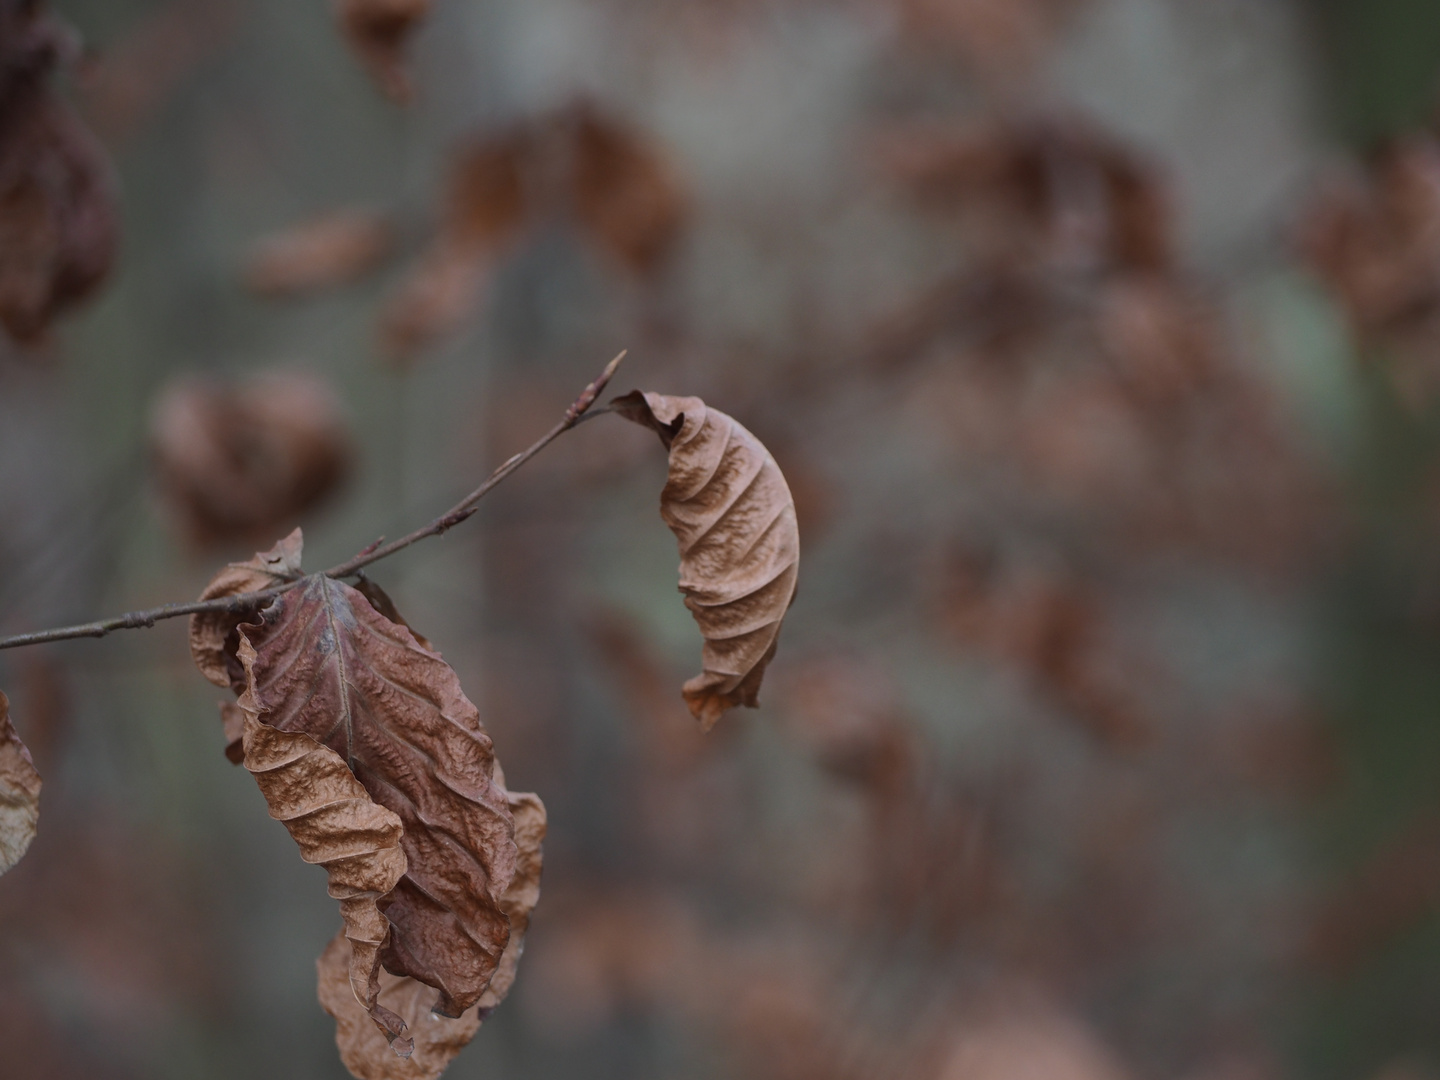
{"type": "Point", "coordinates": [371, 553]}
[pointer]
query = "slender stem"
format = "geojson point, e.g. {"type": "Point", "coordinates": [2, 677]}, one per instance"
{"type": "Point", "coordinates": [372, 553]}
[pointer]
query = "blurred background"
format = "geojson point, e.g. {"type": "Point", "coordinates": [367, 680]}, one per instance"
{"type": "Point", "coordinates": [1100, 343]}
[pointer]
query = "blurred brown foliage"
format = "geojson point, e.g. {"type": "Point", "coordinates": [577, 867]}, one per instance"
{"type": "Point", "coordinates": [57, 219]}
{"type": "Point", "coordinates": [577, 164]}
{"type": "Point", "coordinates": [239, 460]}
{"type": "Point", "coordinates": [1034, 787]}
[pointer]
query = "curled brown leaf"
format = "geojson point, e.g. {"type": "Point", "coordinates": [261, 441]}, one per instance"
{"type": "Point", "coordinates": [338, 826]}
{"type": "Point", "coordinates": [729, 507]}
{"type": "Point", "coordinates": [438, 1039]}
{"type": "Point", "coordinates": [363, 1048]}
{"type": "Point", "coordinates": [213, 642]}
{"type": "Point", "coordinates": [19, 792]}
{"type": "Point", "coordinates": [523, 893]}
{"type": "Point", "coordinates": [324, 663]}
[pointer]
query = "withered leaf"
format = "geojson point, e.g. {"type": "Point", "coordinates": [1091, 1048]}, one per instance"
{"type": "Point", "coordinates": [19, 792]}
{"type": "Point", "coordinates": [378, 31]}
{"type": "Point", "coordinates": [523, 893]}
{"type": "Point", "coordinates": [324, 663]}
{"type": "Point", "coordinates": [213, 642]}
{"type": "Point", "coordinates": [363, 1049]}
{"type": "Point", "coordinates": [728, 505]}
{"type": "Point", "coordinates": [236, 460]}
{"type": "Point", "coordinates": [437, 1038]}
{"type": "Point", "coordinates": [338, 826]}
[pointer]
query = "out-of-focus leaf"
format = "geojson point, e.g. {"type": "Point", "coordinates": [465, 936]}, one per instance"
{"type": "Point", "coordinates": [57, 215]}
{"type": "Point", "coordinates": [338, 826]}
{"type": "Point", "coordinates": [1017, 1047]}
{"type": "Point", "coordinates": [324, 663]}
{"type": "Point", "coordinates": [1046, 193]}
{"type": "Point", "coordinates": [378, 31]}
{"type": "Point", "coordinates": [486, 207]}
{"type": "Point", "coordinates": [626, 197]}
{"type": "Point", "coordinates": [729, 507]}
{"type": "Point", "coordinates": [435, 299]}
{"type": "Point", "coordinates": [318, 254]}
{"type": "Point", "coordinates": [238, 460]}
{"type": "Point", "coordinates": [19, 792]}
{"type": "Point", "coordinates": [1376, 242]}
{"type": "Point", "coordinates": [576, 164]}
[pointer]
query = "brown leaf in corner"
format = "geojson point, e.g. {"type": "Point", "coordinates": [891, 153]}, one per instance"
{"type": "Point", "coordinates": [437, 1039]}
{"type": "Point", "coordinates": [19, 792]}
{"type": "Point", "coordinates": [728, 505]}
{"type": "Point", "coordinates": [378, 31]}
{"type": "Point", "coordinates": [326, 664]}
{"type": "Point", "coordinates": [338, 826]}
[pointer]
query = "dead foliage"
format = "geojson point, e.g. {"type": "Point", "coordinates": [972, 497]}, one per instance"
{"type": "Point", "coordinates": [19, 792]}
{"type": "Point", "coordinates": [364, 745]}
{"type": "Point", "coordinates": [728, 505]}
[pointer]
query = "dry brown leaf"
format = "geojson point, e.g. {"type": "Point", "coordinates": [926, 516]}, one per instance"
{"type": "Point", "coordinates": [19, 792]}
{"type": "Point", "coordinates": [437, 1038]}
{"type": "Point", "coordinates": [237, 460]}
{"type": "Point", "coordinates": [323, 662]}
{"type": "Point", "coordinates": [381, 602]}
{"type": "Point", "coordinates": [523, 892]}
{"type": "Point", "coordinates": [363, 1049]}
{"type": "Point", "coordinates": [338, 826]}
{"type": "Point", "coordinates": [318, 254]}
{"type": "Point", "coordinates": [213, 642]}
{"type": "Point", "coordinates": [378, 31]}
{"type": "Point", "coordinates": [729, 507]}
